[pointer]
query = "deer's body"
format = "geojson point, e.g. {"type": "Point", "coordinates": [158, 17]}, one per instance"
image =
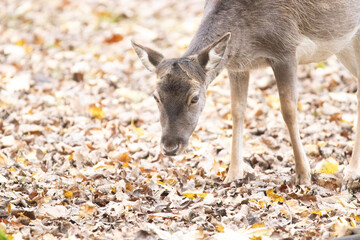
{"type": "Point", "coordinates": [276, 33]}
{"type": "Point", "coordinates": [267, 29]}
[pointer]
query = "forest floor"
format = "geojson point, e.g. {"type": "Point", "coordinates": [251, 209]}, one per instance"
{"type": "Point", "coordinates": [79, 135]}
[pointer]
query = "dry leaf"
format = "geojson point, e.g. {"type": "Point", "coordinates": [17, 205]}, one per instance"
{"type": "Point", "coordinates": [274, 197]}
{"type": "Point", "coordinates": [88, 209]}
{"type": "Point", "coordinates": [68, 194]}
{"type": "Point", "coordinates": [114, 38]}
{"type": "Point", "coordinates": [96, 112]}
{"type": "Point", "coordinates": [220, 228]}
{"type": "Point", "coordinates": [328, 166]}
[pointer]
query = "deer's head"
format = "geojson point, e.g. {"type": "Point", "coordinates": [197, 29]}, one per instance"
{"type": "Point", "coordinates": [181, 90]}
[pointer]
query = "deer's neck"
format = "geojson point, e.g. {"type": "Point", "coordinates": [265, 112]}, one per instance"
{"type": "Point", "coordinates": [210, 30]}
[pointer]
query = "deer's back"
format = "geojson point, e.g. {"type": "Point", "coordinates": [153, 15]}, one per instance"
{"type": "Point", "coordinates": [265, 29]}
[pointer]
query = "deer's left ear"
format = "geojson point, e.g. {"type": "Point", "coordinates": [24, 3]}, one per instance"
{"type": "Point", "coordinates": [211, 56]}
{"type": "Point", "coordinates": [150, 58]}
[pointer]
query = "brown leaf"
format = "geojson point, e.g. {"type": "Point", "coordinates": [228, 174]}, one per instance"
{"type": "Point", "coordinates": [114, 38]}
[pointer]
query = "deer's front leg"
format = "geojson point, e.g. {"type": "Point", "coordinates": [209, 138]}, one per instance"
{"type": "Point", "coordinates": [286, 79]}
{"type": "Point", "coordinates": [239, 82]}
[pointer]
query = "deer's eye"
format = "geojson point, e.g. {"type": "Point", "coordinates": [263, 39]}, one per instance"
{"type": "Point", "coordinates": [195, 99]}
{"type": "Point", "coordinates": [156, 98]}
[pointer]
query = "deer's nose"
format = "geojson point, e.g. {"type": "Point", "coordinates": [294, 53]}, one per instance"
{"type": "Point", "coordinates": [170, 150]}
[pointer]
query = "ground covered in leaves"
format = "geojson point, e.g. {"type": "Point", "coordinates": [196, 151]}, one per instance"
{"type": "Point", "coordinates": [79, 135]}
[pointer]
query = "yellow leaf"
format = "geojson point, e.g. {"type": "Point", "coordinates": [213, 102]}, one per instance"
{"type": "Point", "coordinates": [223, 167]}
{"type": "Point", "coordinates": [321, 65]}
{"type": "Point", "coordinates": [71, 157]}
{"type": "Point", "coordinates": [273, 101]}
{"type": "Point", "coordinates": [21, 42]}
{"type": "Point", "coordinates": [140, 131]}
{"type": "Point", "coordinates": [220, 228]}
{"type": "Point", "coordinates": [317, 212]}
{"type": "Point", "coordinates": [125, 165]}
{"type": "Point", "coordinates": [69, 194]}
{"type": "Point", "coordinates": [125, 158]}
{"type": "Point", "coordinates": [195, 194]}
{"type": "Point", "coordinates": [28, 49]}
{"type": "Point", "coordinates": [202, 195]}
{"type": "Point", "coordinates": [22, 215]}
{"type": "Point", "coordinates": [171, 181]}
{"type": "Point", "coordinates": [92, 189]}
{"type": "Point", "coordinates": [328, 166]}
{"type": "Point", "coordinates": [352, 223]}
{"type": "Point", "coordinates": [258, 225]}
{"type": "Point", "coordinates": [273, 196]}
{"type": "Point", "coordinates": [255, 238]}
{"type": "Point", "coordinates": [96, 112]}
{"type": "Point", "coordinates": [3, 159]}
{"type": "Point", "coordinates": [190, 195]}
{"type": "Point", "coordinates": [322, 143]}
{"type": "Point", "coordinates": [12, 170]}
{"type": "Point", "coordinates": [262, 204]}
{"type": "Point", "coordinates": [160, 182]}
{"type": "Point", "coordinates": [299, 106]}
{"type": "Point", "coordinates": [22, 161]}
{"type": "Point", "coordinates": [129, 187]}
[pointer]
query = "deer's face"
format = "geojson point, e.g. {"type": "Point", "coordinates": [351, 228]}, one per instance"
{"type": "Point", "coordinates": [181, 89]}
{"type": "Point", "coordinates": [180, 99]}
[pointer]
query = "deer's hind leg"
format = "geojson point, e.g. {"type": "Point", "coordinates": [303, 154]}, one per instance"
{"type": "Point", "coordinates": [350, 58]}
{"type": "Point", "coordinates": [286, 80]}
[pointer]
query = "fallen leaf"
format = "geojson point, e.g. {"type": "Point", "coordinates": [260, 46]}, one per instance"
{"type": "Point", "coordinates": [274, 197]}
{"type": "Point", "coordinates": [193, 195]}
{"type": "Point", "coordinates": [273, 101]}
{"type": "Point", "coordinates": [258, 225]}
{"type": "Point", "coordinates": [220, 228]}
{"type": "Point", "coordinates": [328, 166]}
{"type": "Point", "coordinates": [68, 194]}
{"type": "Point", "coordinates": [88, 209]}
{"type": "Point", "coordinates": [190, 195]}
{"type": "Point", "coordinates": [96, 112]}
{"type": "Point", "coordinates": [3, 159]}
{"type": "Point", "coordinates": [114, 38]}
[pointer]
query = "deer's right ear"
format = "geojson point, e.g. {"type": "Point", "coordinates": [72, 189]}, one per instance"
{"type": "Point", "coordinates": [212, 56]}
{"type": "Point", "coordinates": [148, 57]}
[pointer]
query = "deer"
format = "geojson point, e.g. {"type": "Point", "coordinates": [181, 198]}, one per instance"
{"type": "Point", "coordinates": [243, 35]}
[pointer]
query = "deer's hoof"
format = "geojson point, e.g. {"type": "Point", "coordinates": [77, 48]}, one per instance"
{"type": "Point", "coordinates": [352, 179]}
{"type": "Point", "coordinates": [233, 175]}
{"type": "Point", "coordinates": [303, 179]}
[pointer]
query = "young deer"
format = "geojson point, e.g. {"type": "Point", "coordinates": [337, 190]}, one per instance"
{"type": "Point", "coordinates": [241, 35]}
